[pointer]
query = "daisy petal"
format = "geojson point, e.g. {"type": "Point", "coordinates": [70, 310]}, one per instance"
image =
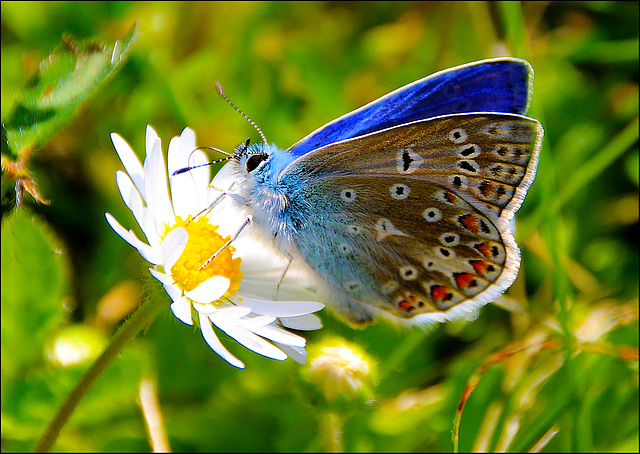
{"type": "Point", "coordinates": [181, 309]}
{"type": "Point", "coordinates": [157, 188]}
{"type": "Point", "coordinates": [206, 309]}
{"type": "Point", "coordinates": [175, 160]}
{"type": "Point", "coordinates": [307, 322]}
{"type": "Point", "coordinates": [264, 289]}
{"type": "Point", "coordinates": [188, 140]}
{"type": "Point", "coordinates": [253, 322]}
{"type": "Point", "coordinates": [130, 195]}
{"type": "Point", "coordinates": [260, 290]}
{"type": "Point", "coordinates": [225, 178]}
{"type": "Point", "coordinates": [119, 229]}
{"type": "Point", "coordinates": [148, 253]}
{"type": "Point", "coordinates": [134, 202]}
{"type": "Point", "coordinates": [151, 255]}
{"type": "Point", "coordinates": [189, 189]}
{"type": "Point", "coordinates": [264, 264]}
{"type": "Point", "coordinates": [254, 267]}
{"type": "Point", "coordinates": [130, 162]}
{"type": "Point", "coordinates": [281, 308]}
{"type": "Point", "coordinates": [173, 246]}
{"type": "Point", "coordinates": [229, 313]}
{"type": "Point", "coordinates": [215, 344]}
{"type": "Point", "coordinates": [164, 279]}
{"type": "Point", "coordinates": [150, 137]}
{"type": "Point", "coordinates": [279, 335]}
{"type": "Point", "coordinates": [295, 293]}
{"type": "Point", "coordinates": [299, 355]}
{"type": "Point", "coordinates": [251, 341]}
{"type": "Point", "coordinates": [184, 153]}
{"type": "Point", "coordinates": [150, 228]}
{"type": "Point", "coordinates": [172, 290]}
{"type": "Point", "coordinates": [210, 290]}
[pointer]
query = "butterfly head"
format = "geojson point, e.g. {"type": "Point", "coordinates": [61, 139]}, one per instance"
{"type": "Point", "coordinates": [250, 157]}
{"type": "Point", "coordinates": [259, 163]}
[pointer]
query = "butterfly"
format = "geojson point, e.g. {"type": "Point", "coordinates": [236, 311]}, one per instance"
{"type": "Point", "coordinates": [405, 207]}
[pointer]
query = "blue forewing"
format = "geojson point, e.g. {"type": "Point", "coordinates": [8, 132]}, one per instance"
{"type": "Point", "coordinates": [500, 85]}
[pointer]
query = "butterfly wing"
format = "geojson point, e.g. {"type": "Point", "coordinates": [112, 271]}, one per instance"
{"type": "Point", "coordinates": [499, 85]}
{"type": "Point", "coordinates": [415, 220]}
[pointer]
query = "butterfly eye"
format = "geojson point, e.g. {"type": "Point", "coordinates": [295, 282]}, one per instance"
{"type": "Point", "coordinates": [254, 161]}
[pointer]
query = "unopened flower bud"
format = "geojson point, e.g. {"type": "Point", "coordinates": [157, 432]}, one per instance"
{"type": "Point", "coordinates": [340, 372]}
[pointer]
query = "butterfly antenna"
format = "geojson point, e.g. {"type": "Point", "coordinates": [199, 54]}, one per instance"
{"type": "Point", "coordinates": [227, 156]}
{"type": "Point", "coordinates": [223, 96]}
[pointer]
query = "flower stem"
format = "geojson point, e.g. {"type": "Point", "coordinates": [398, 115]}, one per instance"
{"type": "Point", "coordinates": [139, 320]}
{"type": "Point", "coordinates": [148, 400]}
{"type": "Point", "coordinates": [331, 432]}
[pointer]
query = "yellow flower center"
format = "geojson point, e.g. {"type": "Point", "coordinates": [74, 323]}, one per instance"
{"type": "Point", "coordinates": [204, 241]}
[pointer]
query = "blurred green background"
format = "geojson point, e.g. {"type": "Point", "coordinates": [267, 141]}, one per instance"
{"type": "Point", "coordinates": [293, 66]}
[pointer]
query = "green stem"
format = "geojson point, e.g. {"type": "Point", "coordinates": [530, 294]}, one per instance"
{"type": "Point", "coordinates": [140, 319]}
{"type": "Point", "coordinates": [331, 432]}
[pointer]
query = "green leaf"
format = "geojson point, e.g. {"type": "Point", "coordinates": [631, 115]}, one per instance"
{"type": "Point", "coordinates": [65, 80]}
{"type": "Point", "coordinates": [34, 286]}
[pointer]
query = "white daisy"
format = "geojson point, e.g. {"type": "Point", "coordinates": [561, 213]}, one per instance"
{"type": "Point", "coordinates": [232, 294]}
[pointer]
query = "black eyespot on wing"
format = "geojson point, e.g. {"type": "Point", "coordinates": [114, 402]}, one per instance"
{"type": "Point", "coordinates": [466, 166]}
{"type": "Point", "coordinates": [468, 151]}
{"type": "Point", "coordinates": [406, 160]}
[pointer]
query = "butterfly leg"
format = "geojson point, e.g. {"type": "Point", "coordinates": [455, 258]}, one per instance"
{"type": "Point", "coordinates": [246, 222]}
{"type": "Point", "coordinates": [211, 205]}
{"type": "Point", "coordinates": [218, 199]}
{"type": "Point", "coordinates": [286, 268]}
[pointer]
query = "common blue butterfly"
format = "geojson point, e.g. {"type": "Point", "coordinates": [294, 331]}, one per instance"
{"type": "Point", "coordinates": [405, 206]}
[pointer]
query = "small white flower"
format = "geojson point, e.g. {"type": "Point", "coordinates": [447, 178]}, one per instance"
{"type": "Point", "coordinates": [233, 294]}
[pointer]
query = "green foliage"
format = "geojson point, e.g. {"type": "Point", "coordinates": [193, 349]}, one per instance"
{"type": "Point", "coordinates": [293, 66]}
{"type": "Point", "coordinates": [52, 97]}
{"type": "Point", "coordinates": [34, 262]}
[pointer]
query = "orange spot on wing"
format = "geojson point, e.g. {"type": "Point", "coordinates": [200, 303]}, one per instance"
{"type": "Point", "coordinates": [405, 305]}
{"type": "Point", "coordinates": [484, 248]}
{"type": "Point", "coordinates": [479, 265]}
{"type": "Point", "coordinates": [464, 279]}
{"type": "Point", "coordinates": [470, 222]}
{"type": "Point", "coordinates": [439, 292]}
